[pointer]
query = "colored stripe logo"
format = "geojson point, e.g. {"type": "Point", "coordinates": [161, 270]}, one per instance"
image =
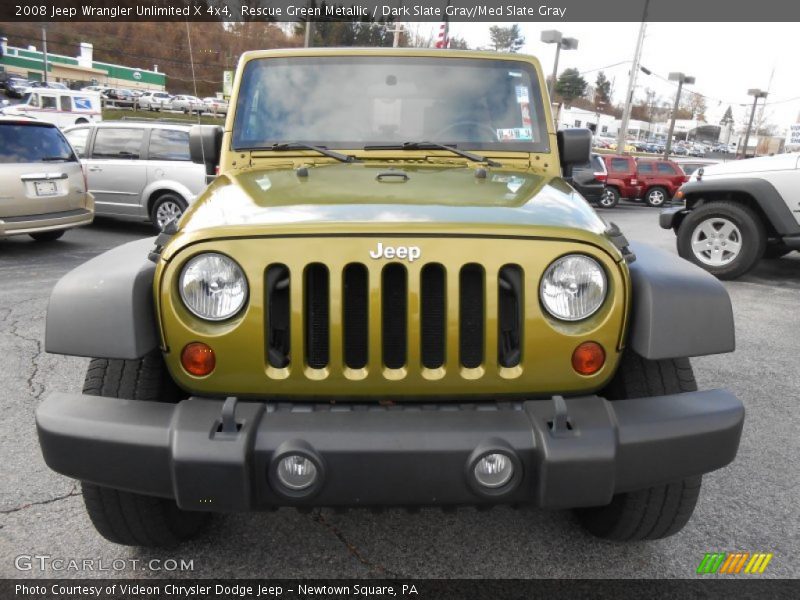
{"type": "Point", "coordinates": [734, 563]}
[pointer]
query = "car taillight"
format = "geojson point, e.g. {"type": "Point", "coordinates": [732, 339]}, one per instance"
{"type": "Point", "coordinates": [600, 176]}
{"type": "Point", "coordinates": [85, 179]}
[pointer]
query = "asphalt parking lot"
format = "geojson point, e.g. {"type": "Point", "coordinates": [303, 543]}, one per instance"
{"type": "Point", "coordinates": [749, 506]}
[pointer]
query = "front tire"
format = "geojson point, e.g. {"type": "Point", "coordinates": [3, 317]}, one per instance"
{"type": "Point", "coordinates": [125, 517]}
{"type": "Point", "coordinates": [656, 196]}
{"type": "Point", "coordinates": [724, 238]}
{"type": "Point", "coordinates": [662, 510]}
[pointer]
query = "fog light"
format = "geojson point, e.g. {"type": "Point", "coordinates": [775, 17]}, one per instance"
{"type": "Point", "coordinates": [296, 472]}
{"type": "Point", "coordinates": [494, 470]}
{"type": "Point", "coordinates": [198, 359]}
{"type": "Point", "coordinates": [588, 358]}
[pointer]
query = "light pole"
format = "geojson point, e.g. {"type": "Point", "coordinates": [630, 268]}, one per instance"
{"type": "Point", "coordinates": [756, 94]}
{"type": "Point", "coordinates": [44, 52]}
{"type": "Point", "coordinates": [681, 79]}
{"type": "Point", "coordinates": [597, 116]}
{"type": "Point", "coordinates": [552, 36]}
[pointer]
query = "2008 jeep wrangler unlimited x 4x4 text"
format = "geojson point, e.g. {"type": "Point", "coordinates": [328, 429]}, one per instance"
{"type": "Point", "coordinates": [389, 296]}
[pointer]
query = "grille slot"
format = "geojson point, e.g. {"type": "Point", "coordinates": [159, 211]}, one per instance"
{"type": "Point", "coordinates": [394, 294]}
{"type": "Point", "coordinates": [433, 315]}
{"type": "Point", "coordinates": [355, 303]}
{"type": "Point", "coordinates": [471, 315]}
{"type": "Point", "coordinates": [509, 315]}
{"type": "Point", "coordinates": [277, 284]}
{"type": "Point", "coordinates": [317, 316]}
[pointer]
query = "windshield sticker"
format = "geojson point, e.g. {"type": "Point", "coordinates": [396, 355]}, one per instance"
{"type": "Point", "coordinates": [525, 113]}
{"type": "Point", "coordinates": [514, 134]}
{"type": "Point", "coordinates": [515, 73]}
{"type": "Point", "coordinates": [522, 94]}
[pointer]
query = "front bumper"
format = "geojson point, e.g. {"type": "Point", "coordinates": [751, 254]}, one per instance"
{"type": "Point", "coordinates": [670, 218]}
{"type": "Point", "coordinates": [394, 455]}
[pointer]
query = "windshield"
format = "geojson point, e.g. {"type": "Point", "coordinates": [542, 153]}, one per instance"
{"type": "Point", "coordinates": [351, 102]}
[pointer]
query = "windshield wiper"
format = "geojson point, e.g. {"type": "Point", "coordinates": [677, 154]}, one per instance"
{"type": "Point", "coordinates": [436, 146]}
{"type": "Point", "coordinates": [54, 159]}
{"type": "Point", "coordinates": [284, 146]}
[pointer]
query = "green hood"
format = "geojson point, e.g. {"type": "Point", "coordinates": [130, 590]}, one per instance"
{"type": "Point", "coordinates": [340, 194]}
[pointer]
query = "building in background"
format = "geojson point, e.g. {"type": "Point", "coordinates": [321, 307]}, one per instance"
{"type": "Point", "coordinates": [78, 71]}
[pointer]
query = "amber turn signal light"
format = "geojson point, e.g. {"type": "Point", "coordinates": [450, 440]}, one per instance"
{"type": "Point", "coordinates": [588, 358]}
{"type": "Point", "coordinates": [198, 359]}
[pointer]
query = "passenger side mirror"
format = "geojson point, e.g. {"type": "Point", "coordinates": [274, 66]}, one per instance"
{"type": "Point", "coordinates": [574, 148]}
{"type": "Point", "coordinates": [205, 146]}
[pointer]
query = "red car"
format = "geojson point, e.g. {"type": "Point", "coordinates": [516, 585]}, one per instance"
{"type": "Point", "coordinates": [621, 179]}
{"type": "Point", "coordinates": [655, 181]}
{"type": "Point", "coordinates": [659, 180]}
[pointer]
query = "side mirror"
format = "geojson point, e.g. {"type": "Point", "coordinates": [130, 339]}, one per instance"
{"type": "Point", "coordinates": [205, 146]}
{"type": "Point", "coordinates": [574, 148]}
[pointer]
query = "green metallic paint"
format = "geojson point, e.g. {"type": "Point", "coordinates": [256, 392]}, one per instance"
{"type": "Point", "coordinates": [260, 211]}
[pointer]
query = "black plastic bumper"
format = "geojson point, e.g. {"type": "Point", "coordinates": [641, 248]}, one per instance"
{"type": "Point", "coordinates": [398, 455]}
{"type": "Point", "coordinates": [671, 217]}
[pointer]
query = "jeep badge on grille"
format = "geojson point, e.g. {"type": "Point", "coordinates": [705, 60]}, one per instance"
{"type": "Point", "coordinates": [410, 253]}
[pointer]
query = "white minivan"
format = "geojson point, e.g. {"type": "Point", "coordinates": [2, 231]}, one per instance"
{"type": "Point", "coordinates": [59, 107]}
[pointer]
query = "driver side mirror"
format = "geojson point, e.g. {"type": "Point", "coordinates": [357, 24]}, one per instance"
{"type": "Point", "coordinates": [574, 148]}
{"type": "Point", "coordinates": [205, 147]}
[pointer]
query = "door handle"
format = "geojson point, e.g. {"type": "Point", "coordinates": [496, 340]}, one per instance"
{"type": "Point", "coordinates": [95, 169]}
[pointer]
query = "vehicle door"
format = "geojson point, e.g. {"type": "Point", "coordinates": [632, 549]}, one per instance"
{"type": "Point", "coordinates": [646, 174]}
{"type": "Point", "coordinates": [168, 161]}
{"type": "Point", "coordinates": [116, 174]}
{"type": "Point", "coordinates": [671, 176]}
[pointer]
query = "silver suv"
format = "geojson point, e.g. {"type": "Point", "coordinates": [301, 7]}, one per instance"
{"type": "Point", "coordinates": [139, 169]}
{"type": "Point", "coordinates": [42, 188]}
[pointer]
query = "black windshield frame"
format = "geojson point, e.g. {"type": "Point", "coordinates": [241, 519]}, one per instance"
{"type": "Point", "coordinates": [245, 109]}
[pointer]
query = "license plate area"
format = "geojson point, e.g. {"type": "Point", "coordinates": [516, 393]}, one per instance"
{"type": "Point", "coordinates": [45, 188]}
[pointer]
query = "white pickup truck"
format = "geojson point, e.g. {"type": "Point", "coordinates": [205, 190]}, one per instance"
{"type": "Point", "coordinates": [737, 213]}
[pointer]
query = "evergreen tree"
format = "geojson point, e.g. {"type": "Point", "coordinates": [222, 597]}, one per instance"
{"type": "Point", "coordinates": [602, 89]}
{"type": "Point", "coordinates": [727, 118]}
{"type": "Point", "coordinates": [570, 85]}
{"type": "Point", "coordinates": [506, 39]}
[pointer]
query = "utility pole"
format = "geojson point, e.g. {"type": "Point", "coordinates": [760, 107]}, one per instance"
{"type": "Point", "coordinates": [622, 134]}
{"type": "Point", "coordinates": [309, 27]}
{"type": "Point", "coordinates": [44, 52]}
{"type": "Point", "coordinates": [681, 79]}
{"type": "Point", "coordinates": [756, 94]}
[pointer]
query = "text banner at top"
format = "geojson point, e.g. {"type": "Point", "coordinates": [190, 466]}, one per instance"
{"type": "Point", "coordinates": [402, 10]}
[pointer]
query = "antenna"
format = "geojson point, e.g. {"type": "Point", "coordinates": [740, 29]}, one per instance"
{"type": "Point", "coordinates": [194, 84]}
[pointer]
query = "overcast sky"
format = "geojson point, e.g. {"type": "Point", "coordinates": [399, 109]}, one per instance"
{"type": "Point", "coordinates": [726, 59]}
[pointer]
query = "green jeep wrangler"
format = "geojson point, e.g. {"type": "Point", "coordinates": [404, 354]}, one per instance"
{"type": "Point", "coordinates": [390, 295]}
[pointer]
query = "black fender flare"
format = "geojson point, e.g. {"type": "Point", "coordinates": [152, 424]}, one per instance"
{"type": "Point", "coordinates": [104, 308]}
{"type": "Point", "coordinates": [678, 309]}
{"type": "Point", "coordinates": [762, 191]}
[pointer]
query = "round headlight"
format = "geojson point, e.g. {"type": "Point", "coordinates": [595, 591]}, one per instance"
{"type": "Point", "coordinates": [213, 287]}
{"type": "Point", "coordinates": [573, 287]}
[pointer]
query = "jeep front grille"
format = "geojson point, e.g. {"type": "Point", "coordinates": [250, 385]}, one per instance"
{"type": "Point", "coordinates": [404, 336]}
